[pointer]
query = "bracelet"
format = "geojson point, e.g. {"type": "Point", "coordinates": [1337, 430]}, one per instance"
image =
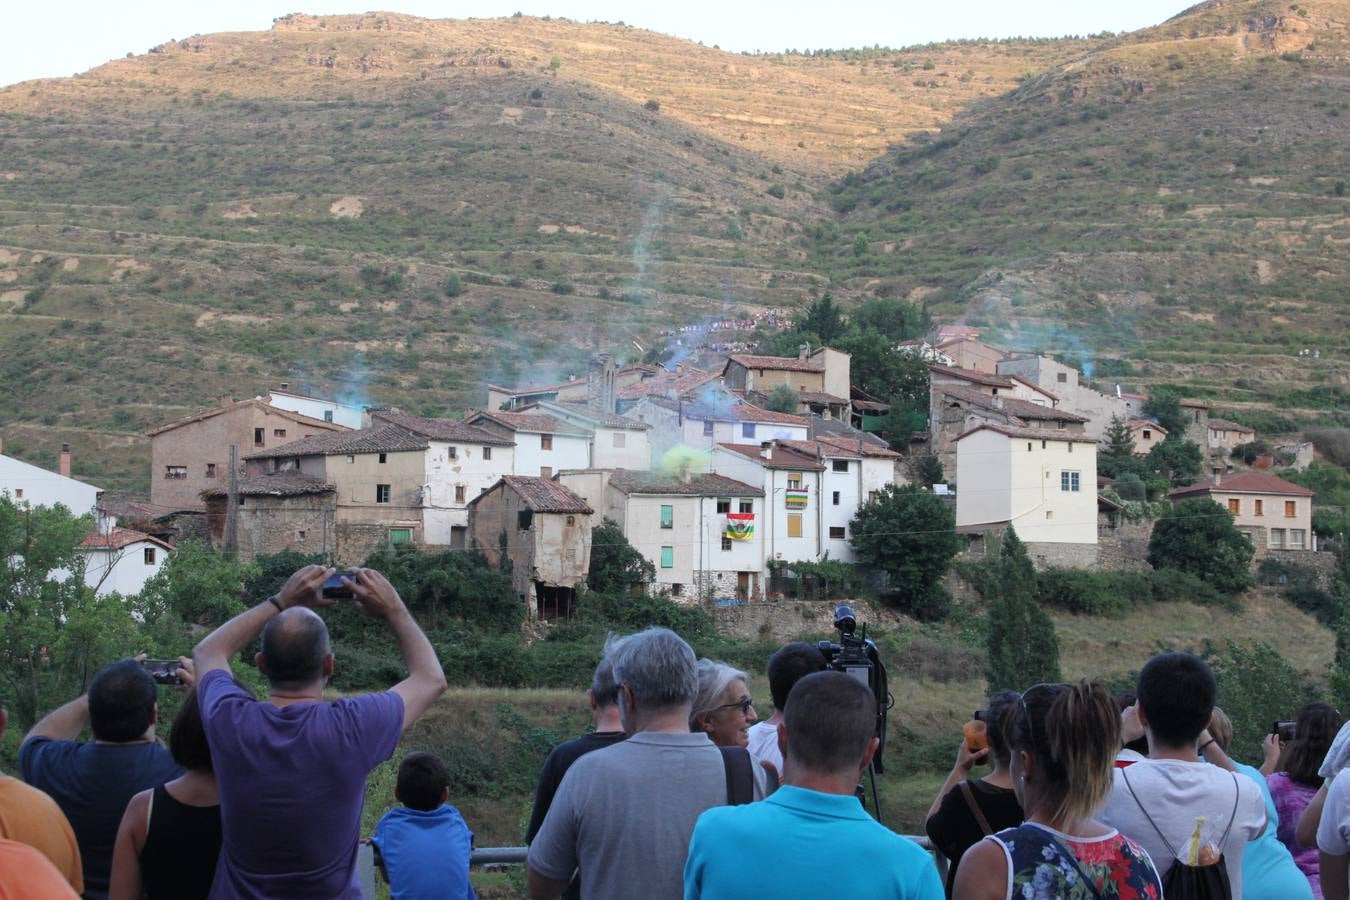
{"type": "Point", "coordinates": [1206, 744]}
{"type": "Point", "coordinates": [275, 602]}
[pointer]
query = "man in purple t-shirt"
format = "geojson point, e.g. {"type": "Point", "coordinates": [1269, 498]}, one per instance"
{"type": "Point", "coordinates": [292, 769]}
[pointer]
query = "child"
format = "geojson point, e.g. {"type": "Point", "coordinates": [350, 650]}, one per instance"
{"type": "Point", "coordinates": [424, 844]}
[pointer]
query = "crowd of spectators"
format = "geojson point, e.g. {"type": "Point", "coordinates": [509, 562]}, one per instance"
{"type": "Point", "coordinates": [678, 790]}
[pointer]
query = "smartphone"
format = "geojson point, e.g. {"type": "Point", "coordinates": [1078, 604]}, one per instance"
{"type": "Point", "coordinates": [976, 734]}
{"type": "Point", "coordinates": [334, 589]}
{"type": "Point", "coordinates": [164, 671]}
{"type": "Point", "coordinates": [1285, 730]}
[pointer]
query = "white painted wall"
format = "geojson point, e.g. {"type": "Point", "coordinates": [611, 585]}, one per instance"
{"type": "Point", "coordinates": [1000, 480]}
{"type": "Point", "coordinates": [621, 448]}
{"type": "Point", "coordinates": [696, 538]}
{"type": "Point", "coordinates": [848, 487]}
{"type": "Point", "coordinates": [342, 413]}
{"type": "Point", "coordinates": [129, 570]}
{"type": "Point", "coordinates": [569, 452]}
{"type": "Point", "coordinates": [774, 521]}
{"type": "Point", "coordinates": [31, 485]}
{"type": "Point", "coordinates": [468, 468]}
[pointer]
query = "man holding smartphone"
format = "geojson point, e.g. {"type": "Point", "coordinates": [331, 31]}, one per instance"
{"type": "Point", "coordinates": [291, 769]}
{"type": "Point", "coordinates": [92, 781]}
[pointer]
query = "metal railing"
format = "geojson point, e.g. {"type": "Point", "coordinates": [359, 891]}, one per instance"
{"type": "Point", "coordinates": [515, 856]}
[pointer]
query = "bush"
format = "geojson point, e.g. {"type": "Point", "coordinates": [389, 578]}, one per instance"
{"type": "Point", "coordinates": [777, 191]}
{"type": "Point", "coordinates": [564, 287]}
{"type": "Point", "coordinates": [652, 105]}
{"type": "Point", "coordinates": [1198, 537]}
{"type": "Point", "coordinates": [1093, 593]}
{"type": "Point", "coordinates": [454, 286]}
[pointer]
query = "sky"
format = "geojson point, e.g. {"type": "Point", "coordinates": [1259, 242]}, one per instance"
{"type": "Point", "coordinates": [62, 37]}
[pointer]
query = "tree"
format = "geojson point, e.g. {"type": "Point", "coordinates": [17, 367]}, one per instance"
{"type": "Point", "coordinates": [198, 585]}
{"type": "Point", "coordinates": [824, 319]}
{"type": "Point", "coordinates": [860, 245]}
{"type": "Point", "coordinates": [1198, 536]}
{"type": "Point", "coordinates": [910, 535]}
{"type": "Point", "coordinates": [1119, 441]}
{"type": "Point", "coordinates": [1164, 406]}
{"type": "Point", "coordinates": [454, 285]}
{"type": "Point", "coordinates": [924, 469]}
{"type": "Point", "coordinates": [901, 379]}
{"type": "Point", "coordinates": [1022, 646]}
{"type": "Point", "coordinates": [616, 565]}
{"type": "Point", "coordinates": [894, 320]}
{"type": "Point", "coordinates": [1179, 462]}
{"type": "Point", "coordinates": [782, 399]}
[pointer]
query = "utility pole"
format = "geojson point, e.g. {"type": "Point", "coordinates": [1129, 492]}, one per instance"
{"type": "Point", "coordinates": [232, 505]}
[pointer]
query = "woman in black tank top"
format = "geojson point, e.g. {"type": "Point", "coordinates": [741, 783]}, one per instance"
{"type": "Point", "coordinates": [169, 839]}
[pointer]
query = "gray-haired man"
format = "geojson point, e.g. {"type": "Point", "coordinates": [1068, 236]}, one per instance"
{"type": "Point", "coordinates": [623, 815]}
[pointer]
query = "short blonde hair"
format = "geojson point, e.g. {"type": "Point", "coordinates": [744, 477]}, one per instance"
{"type": "Point", "coordinates": [1221, 728]}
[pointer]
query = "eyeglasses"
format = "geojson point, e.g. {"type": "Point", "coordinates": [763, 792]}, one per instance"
{"type": "Point", "coordinates": [745, 704]}
{"type": "Point", "coordinates": [1026, 713]}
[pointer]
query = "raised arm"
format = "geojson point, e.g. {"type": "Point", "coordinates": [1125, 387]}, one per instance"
{"type": "Point", "coordinates": [218, 647]}
{"type": "Point", "coordinates": [426, 680]}
{"type": "Point", "coordinates": [965, 761]}
{"type": "Point", "coordinates": [63, 723]}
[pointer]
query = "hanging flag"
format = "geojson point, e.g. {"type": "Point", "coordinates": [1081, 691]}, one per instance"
{"type": "Point", "coordinates": [795, 499]}
{"type": "Point", "coordinates": [740, 526]}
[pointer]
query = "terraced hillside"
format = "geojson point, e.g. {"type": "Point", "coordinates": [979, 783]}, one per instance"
{"type": "Point", "coordinates": [1177, 195]}
{"type": "Point", "coordinates": [228, 211]}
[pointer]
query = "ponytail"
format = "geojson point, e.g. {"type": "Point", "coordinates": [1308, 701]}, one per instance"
{"type": "Point", "coordinates": [1074, 733]}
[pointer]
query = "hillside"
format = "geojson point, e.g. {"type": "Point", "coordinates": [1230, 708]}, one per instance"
{"type": "Point", "coordinates": [228, 211]}
{"type": "Point", "coordinates": [1176, 195]}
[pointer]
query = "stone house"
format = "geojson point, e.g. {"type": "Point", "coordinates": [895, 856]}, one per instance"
{"type": "Point", "coordinates": [282, 511]}
{"type": "Point", "coordinates": [379, 476]}
{"type": "Point", "coordinates": [544, 444]}
{"type": "Point", "coordinates": [955, 410]}
{"type": "Point", "coordinates": [192, 454]}
{"type": "Point", "coordinates": [1041, 481]}
{"type": "Point", "coordinates": [1073, 395]}
{"type": "Point", "coordinates": [1147, 434]}
{"type": "Point", "coordinates": [1274, 514]}
{"type": "Point", "coordinates": [544, 529]}
{"type": "Point", "coordinates": [1223, 435]}
{"type": "Point", "coordinates": [970, 353]}
{"type": "Point", "coordinates": [701, 532]}
{"type": "Point", "coordinates": [821, 379]}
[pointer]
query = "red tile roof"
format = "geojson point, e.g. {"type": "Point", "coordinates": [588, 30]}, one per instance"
{"type": "Point", "coordinates": [1034, 434]}
{"type": "Point", "coordinates": [705, 484]}
{"type": "Point", "coordinates": [544, 495]}
{"type": "Point", "coordinates": [683, 381]}
{"type": "Point", "coordinates": [867, 447]}
{"type": "Point", "coordinates": [820, 449]}
{"type": "Point", "coordinates": [529, 422]}
{"type": "Point", "coordinates": [1225, 425]}
{"type": "Point", "coordinates": [1244, 483]}
{"type": "Point", "coordinates": [119, 539]}
{"type": "Point", "coordinates": [441, 429]}
{"type": "Point", "coordinates": [971, 375]}
{"type": "Point", "coordinates": [593, 414]}
{"type": "Point", "coordinates": [775, 363]}
{"type": "Point", "coordinates": [780, 457]}
{"type": "Point", "coordinates": [381, 439]}
{"type": "Point", "coordinates": [255, 402]}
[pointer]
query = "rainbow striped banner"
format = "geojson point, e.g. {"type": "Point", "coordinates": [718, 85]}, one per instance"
{"type": "Point", "coordinates": [796, 499]}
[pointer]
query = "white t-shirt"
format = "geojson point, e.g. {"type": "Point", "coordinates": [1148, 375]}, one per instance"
{"type": "Point", "coordinates": [1174, 793]}
{"type": "Point", "coordinates": [1333, 831]}
{"type": "Point", "coordinates": [764, 745]}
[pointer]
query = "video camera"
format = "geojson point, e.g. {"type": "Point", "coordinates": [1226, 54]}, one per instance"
{"type": "Point", "coordinates": [857, 657]}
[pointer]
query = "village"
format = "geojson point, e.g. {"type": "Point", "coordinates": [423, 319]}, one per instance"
{"type": "Point", "coordinates": [716, 491]}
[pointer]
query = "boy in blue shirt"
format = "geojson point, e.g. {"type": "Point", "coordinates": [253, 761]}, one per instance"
{"type": "Point", "coordinates": [424, 845]}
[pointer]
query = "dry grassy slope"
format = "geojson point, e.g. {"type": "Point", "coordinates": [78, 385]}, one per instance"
{"type": "Point", "coordinates": [1178, 194]}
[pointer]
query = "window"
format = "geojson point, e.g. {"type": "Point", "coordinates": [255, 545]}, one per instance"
{"type": "Point", "coordinates": [1059, 426]}
{"type": "Point", "coordinates": [571, 520]}
{"type": "Point", "coordinates": [278, 432]}
{"type": "Point", "coordinates": [300, 534]}
{"type": "Point", "coordinates": [676, 590]}
{"type": "Point", "coordinates": [839, 465]}
{"type": "Point", "coordinates": [620, 440]}
{"type": "Point", "coordinates": [835, 498]}
{"type": "Point", "coordinates": [400, 535]}
{"type": "Point", "coordinates": [1042, 445]}
{"type": "Point", "coordinates": [452, 452]}
{"type": "Point", "coordinates": [872, 496]}
{"type": "Point", "coordinates": [1260, 509]}
{"type": "Point", "coordinates": [837, 533]}
{"type": "Point", "coordinates": [726, 542]}
{"type": "Point", "coordinates": [381, 493]}
{"type": "Point", "coordinates": [175, 472]}
{"type": "Point", "coordinates": [1062, 377]}
{"type": "Point", "coordinates": [1235, 506]}
{"type": "Point", "coordinates": [328, 415]}
{"type": "Point", "coordinates": [747, 506]}
{"type": "Point", "coordinates": [1148, 434]}
{"type": "Point", "coordinates": [459, 493]}
{"type": "Point", "coordinates": [1049, 513]}
{"type": "Point", "coordinates": [1290, 509]}
{"type": "Point", "coordinates": [545, 471]}
{"type": "Point", "coordinates": [794, 522]}
{"type": "Point", "coordinates": [794, 481]}
{"type": "Point", "coordinates": [1069, 482]}
{"type": "Point", "coordinates": [723, 506]}
{"type": "Point", "coordinates": [149, 556]}
{"type": "Point", "coordinates": [1028, 446]}
{"type": "Point", "coordinates": [707, 427]}
{"type": "Point", "coordinates": [1296, 538]}
{"type": "Point", "coordinates": [18, 493]}
{"type": "Point", "coordinates": [667, 557]}
{"type": "Point", "coordinates": [525, 519]}
{"type": "Point", "coordinates": [384, 458]}
{"type": "Point", "coordinates": [351, 458]}
{"type": "Point", "coordinates": [545, 442]}
{"type": "Point", "coordinates": [1275, 539]}
{"type": "Point", "coordinates": [667, 516]}
{"type": "Point", "coordinates": [210, 470]}
{"type": "Point", "coordinates": [747, 429]}
{"type": "Point", "coordinates": [259, 435]}
{"type": "Point", "coordinates": [1069, 444]}
{"type": "Point", "coordinates": [487, 452]}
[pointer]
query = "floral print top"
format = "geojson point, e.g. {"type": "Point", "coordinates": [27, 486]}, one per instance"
{"type": "Point", "coordinates": [1039, 867]}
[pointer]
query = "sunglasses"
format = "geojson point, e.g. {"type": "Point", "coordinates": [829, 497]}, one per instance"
{"type": "Point", "coordinates": [744, 703]}
{"type": "Point", "coordinates": [1026, 713]}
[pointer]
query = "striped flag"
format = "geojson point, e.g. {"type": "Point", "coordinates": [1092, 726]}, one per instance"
{"type": "Point", "coordinates": [740, 526]}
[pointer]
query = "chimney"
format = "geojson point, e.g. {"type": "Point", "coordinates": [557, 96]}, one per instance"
{"type": "Point", "coordinates": [804, 351]}
{"type": "Point", "coordinates": [600, 377]}
{"type": "Point", "coordinates": [766, 450]}
{"type": "Point", "coordinates": [64, 467]}
{"type": "Point", "coordinates": [285, 385]}
{"type": "Point", "coordinates": [1218, 478]}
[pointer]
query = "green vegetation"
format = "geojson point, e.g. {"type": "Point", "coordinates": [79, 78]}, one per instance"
{"type": "Point", "coordinates": [1022, 647]}
{"type": "Point", "coordinates": [1199, 537]}
{"type": "Point", "coordinates": [782, 399]}
{"type": "Point", "coordinates": [908, 534]}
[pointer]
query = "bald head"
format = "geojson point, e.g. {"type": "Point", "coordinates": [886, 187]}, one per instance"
{"type": "Point", "coordinates": [295, 649]}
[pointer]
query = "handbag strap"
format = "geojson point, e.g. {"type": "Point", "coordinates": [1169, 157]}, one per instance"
{"type": "Point", "coordinates": [975, 810]}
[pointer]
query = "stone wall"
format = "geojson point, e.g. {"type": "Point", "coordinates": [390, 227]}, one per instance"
{"type": "Point", "coordinates": [1123, 547]}
{"type": "Point", "coordinates": [786, 620]}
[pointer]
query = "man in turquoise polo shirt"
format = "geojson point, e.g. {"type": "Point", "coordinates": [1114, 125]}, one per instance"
{"type": "Point", "coordinates": [823, 843]}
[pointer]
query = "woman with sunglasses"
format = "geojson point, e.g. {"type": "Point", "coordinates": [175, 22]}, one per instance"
{"type": "Point", "coordinates": [1064, 740]}
{"type": "Point", "coordinates": [723, 708]}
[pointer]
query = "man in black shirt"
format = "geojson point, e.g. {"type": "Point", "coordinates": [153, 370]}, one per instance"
{"type": "Point", "coordinates": [603, 697]}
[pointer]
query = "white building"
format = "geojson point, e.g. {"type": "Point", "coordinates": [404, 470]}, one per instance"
{"type": "Point", "coordinates": [855, 471]}
{"type": "Point", "coordinates": [462, 462]}
{"type": "Point", "coordinates": [792, 483]}
{"type": "Point", "coordinates": [325, 410]}
{"type": "Point", "coordinates": [617, 442]}
{"type": "Point", "coordinates": [701, 532]}
{"type": "Point", "coordinates": [1043, 482]}
{"type": "Point", "coordinates": [718, 419]}
{"type": "Point", "coordinates": [32, 486]}
{"type": "Point", "coordinates": [543, 444]}
{"type": "Point", "coordinates": [122, 561]}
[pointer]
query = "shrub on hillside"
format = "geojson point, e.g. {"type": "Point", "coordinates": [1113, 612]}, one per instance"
{"type": "Point", "coordinates": [1257, 686]}
{"type": "Point", "coordinates": [1198, 537]}
{"type": "Point", "coordinates": [1116, 594]}
{"type": "Point", "coordinates": [910, 535]}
